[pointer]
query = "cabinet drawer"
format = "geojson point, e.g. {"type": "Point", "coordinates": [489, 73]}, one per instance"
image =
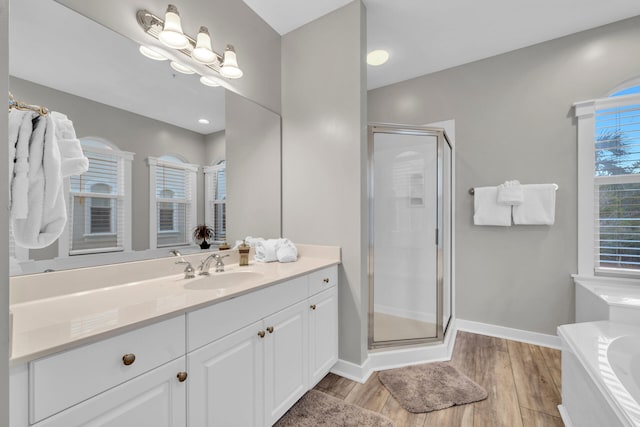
{"type": "Point", "coordinates": [213, 322]}
{"type": "Point", "coordinates": [65, 379]}
{"type": "Point", "coordinates": [323, 279]}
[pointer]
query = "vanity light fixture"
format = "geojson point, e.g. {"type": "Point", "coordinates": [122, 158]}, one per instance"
{"type": "Point", "coordinates": [172, 35]}
{"type": "Point", "coordinates": [184, 69]}
{"type": "Point", "coordinates": [377, 57]}
{"type": "Point", "coordinates": [152, 53]}
{"type": "Point", "coordinates": [208, 81]}
{"type": "Point", "coordinates": [169, 32]}
{"type": "Point", "coordinates": [202, 52]}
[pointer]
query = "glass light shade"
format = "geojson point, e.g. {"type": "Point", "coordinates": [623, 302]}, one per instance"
{"type": "Point", "coordinates": [230, 67]}
{"type": "Point", "coordinates": [172, 34]}
{"type": "Point", "coordinates": [202, 52]}
{"type": "Point", "coordinates": [182, 68]}
{"type": "Point", "coordinates": [152, 53]}
{"type": "Point", "coordinates": [377, 57]}
{"type": "Point", "coordinates": [208, 81]}
{"type": "Point", "coordinates": [203, 121]}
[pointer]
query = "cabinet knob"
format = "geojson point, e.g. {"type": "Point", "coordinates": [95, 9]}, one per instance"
{"type": "Point", "coordinates": [261, 334]}
{"type": "Point", "coordinates": [128, 359]}
{"type": "Point", "coordinates": [325, 280]}
{"type": "Point", "coordinates": [182, 376]}
{"type": "Point", "coordinates": [270, 329]}
{"type": "Point", "coordinates": [312, 306]}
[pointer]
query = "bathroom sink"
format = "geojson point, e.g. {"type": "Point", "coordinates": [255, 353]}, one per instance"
{"type": "Point", "coordinates": [227, 279]}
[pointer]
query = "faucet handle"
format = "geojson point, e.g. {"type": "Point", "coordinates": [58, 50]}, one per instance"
{"type": "Point", "coordinates": [189, 272]}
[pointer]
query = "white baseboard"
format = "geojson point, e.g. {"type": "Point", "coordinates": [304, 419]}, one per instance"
{"type": "Point", "coordinates": [536, 338]}
{"type": "Point", "coordinates": [565, 416]}
{"type": "Point", "coordinates": [395, 358]}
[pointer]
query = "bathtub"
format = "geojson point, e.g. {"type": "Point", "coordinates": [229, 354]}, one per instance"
{"type": "Point", "coordinates": [600, 298]}
{"type": "Point", "coordinates": [600, 374]}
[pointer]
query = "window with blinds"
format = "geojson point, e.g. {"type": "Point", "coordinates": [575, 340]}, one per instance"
{"type": "Point", "coordinates": [174, 201]}
{"type": "Point", "coordinates": [96, 208]}
{"type": "Point", "coordinates": [617, 186]}
{"type": "Point", "coordinates": [216, 199]}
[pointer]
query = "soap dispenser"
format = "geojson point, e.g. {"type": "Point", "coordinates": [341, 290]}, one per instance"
{"type": "Point", "coordinates": [243, 250]}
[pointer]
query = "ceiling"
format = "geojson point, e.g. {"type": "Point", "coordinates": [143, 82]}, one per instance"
{"type": "Point", "coordinates": [423, 37]}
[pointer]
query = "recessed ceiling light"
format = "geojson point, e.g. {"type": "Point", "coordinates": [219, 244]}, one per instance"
{"type": "Point", "coordinates": [152, 53]}
{"type": "Point", "coordinates": [203, 121]}
{"type": "Point", "coordinates": [182, 68]}
{"type": "Point", "coordinates": [377, 57]}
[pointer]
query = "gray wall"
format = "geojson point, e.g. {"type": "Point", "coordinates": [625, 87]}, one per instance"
{"type": "Point", "coordinates": [130, 132]}
{"type": "Point", "coordinates": [323, 140]}
{"type": "Point", "coordinates": [514, 120]}
{"type": "Point", "coordinates": [214, 147]}
{"type": "Point", "coordinates": [4, 231]}
{"type": "Point", "coordinates": [253, 169]}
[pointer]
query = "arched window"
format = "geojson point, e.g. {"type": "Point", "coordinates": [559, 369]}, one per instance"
{"type": "Point", "coordinates": [215, 181]}
{"type": "Point", "coordinates": [609, 183]}
{"type": "Point", "coordinates": [99, 202]}
{"type": "Point", "coordinates": [173, 201]}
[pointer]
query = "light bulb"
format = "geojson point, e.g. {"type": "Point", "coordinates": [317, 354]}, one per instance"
{"type": "Point", "coordinates": [152, 53]}
{"type": "Point", "coordinates": [208, 81]}
{"type": "Point", "coordinates": [182, 68]}
{"type": "Point", "coordinates": [377, 57]}
{"type": "Point", "coordinates": [230, 67]}
{"type": "Point", "coordinates": [202, 52]}
{"type": "Point", "coordinates": [172, 34]}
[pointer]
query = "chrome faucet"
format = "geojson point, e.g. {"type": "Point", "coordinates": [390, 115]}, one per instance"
{"type": "Point", "coordinates": [204, 265]}
{"type": "Point", "coordinates": [189, 272]}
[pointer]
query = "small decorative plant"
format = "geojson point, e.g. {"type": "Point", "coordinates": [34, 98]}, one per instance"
{"type": "Point", "coordinates": [202, 234]}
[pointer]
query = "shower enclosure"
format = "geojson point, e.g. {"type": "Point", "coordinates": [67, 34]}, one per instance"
{"type": "Point", "coordinates": [410, 180]}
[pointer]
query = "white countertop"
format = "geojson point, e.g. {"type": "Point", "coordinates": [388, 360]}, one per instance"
{"type": "Point", "coordinates": [49, 325]}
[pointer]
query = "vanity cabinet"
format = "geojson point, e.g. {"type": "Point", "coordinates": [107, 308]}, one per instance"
{"type": "Point", "coordinates": [240, 362]}
{"type": "Point", "coordinates": [157, 398]}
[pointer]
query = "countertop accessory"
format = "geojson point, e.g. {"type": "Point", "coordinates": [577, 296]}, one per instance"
{"type": "Point", "coordinates": [243, 251]}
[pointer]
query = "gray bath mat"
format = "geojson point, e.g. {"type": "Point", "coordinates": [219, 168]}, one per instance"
{"type": "Point", "coordinates": [319, 409]}
{"type": "Point", "coordinates": [431, 386]}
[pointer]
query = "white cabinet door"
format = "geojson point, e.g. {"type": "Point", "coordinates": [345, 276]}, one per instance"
{"type": "Point", "coordinates": [286, 359]}
{"type": "Point", "coordinates": [323, 333]}
{"type": "Point", "coordinates": [156, 398]}
{"type": "Point", "coordinates": [226, 380]}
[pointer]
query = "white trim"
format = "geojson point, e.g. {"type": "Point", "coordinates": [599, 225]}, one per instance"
{"type": "Point", "coordinates": [394, 358]}
{"type": "Point", "coordinates": [422, 315]}
{"type": "Point", "coordinates": [585, 112]}
{"type": "Point", "coordinates": [565, 416]}
{"type": "Point", "coordinates": [544, 340]}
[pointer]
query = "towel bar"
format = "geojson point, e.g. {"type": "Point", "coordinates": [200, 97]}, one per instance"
{"type": "Point", "coordinates": [472, 190]}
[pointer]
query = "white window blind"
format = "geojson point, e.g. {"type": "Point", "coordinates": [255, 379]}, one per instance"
{"type": "Point", "coordinates": [216, 199]}
{"type": "Point", "coordinates": [96, 208]}
{"type": "Point", "coordinates": [617, 187]}
{"type": "Point", "coordinates": [174, 204]}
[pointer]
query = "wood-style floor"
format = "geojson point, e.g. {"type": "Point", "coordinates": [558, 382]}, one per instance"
{"type": "Point", "coordinates": [522, 381]}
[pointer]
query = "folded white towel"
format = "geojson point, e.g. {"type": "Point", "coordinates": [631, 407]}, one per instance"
{"type": "Point", "coordinates": [510, 193]}
{"type": "Point", "coordinates": [287, 251]}
{"type": "Point", "coordinates": [47, 213]}
{"type": "Point", "coordinates": [487, 211]}
{"type": "Point", "coordinates": [20, 131]}
{"type": "Point", "coordinates": [538, 207]}
{"type": "Point", "coordinates": [73, 160]}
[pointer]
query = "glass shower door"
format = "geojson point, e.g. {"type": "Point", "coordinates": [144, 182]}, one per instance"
{"type": "Point", "coordinates": [406, 235]}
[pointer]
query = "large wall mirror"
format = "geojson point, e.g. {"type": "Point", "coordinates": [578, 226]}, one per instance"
{"type": "Point", "coordinates": [115, 96]}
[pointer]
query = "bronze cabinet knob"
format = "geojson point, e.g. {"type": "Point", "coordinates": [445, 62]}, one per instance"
{"type": "Point", "coordinates": [325, 280]}
{"type": "Point", "coordinates": [313, 306]}
{"type": "Point", "coordinates": [261, 334]}
{"type": "Point", "coordinates": [270, 329]}
{"type": "Point", "coordinates": [182, 376]}
{"type": "Point", "coordinates": [128, 359]}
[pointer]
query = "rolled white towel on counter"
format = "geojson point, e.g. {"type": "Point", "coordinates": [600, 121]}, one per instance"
{"type": "Point", "coordinates": [539, 206]}
{"type": "Point", "coordinates": [487, 211]}
{"type": "Point", "coordinates": [510, 193]}
{"type": "Point", "coordinates": [287, 251]}
{"type": "Point", "coordinates": [266, 250]}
